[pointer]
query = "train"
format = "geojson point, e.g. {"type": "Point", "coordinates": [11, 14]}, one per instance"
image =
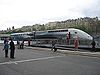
{"type": "Point", "coordinates": [58, 35]}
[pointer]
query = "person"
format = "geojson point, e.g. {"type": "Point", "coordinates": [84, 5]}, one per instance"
{"type": "Point", "coordinates": [6, 47]}
{"type": "Point", "coordinates": [68, 38]}
{"type": "Point", "coordinates": [12, 49]}
{"type": "Point", "coordinates": [5, 40]}
{"type": "Point", "coordinates": [18, 44]}
{"type": "Point", "coordinates": [76, 41]}
{"type": "Point", "coordinates": [93, 45]}
{"type": "Point", "coordinates": [53, 46]}
{"type": "Point", "coordinates": [76, 44]}
{"type": "Point", "coordinates": [55, 49]}
{"type": "Point", "coordinates": [29, 42]}
{"type": "Point", "coordinates": [22, 45]}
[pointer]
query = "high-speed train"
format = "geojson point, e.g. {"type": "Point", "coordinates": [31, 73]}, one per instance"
{"type": "Point", "coordinates": [51, 34]}
{"type": "Point", "coordinates": [58, 34]}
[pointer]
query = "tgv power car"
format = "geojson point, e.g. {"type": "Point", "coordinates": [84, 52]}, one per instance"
{"type": "Point", "coordinates": [81, 34]}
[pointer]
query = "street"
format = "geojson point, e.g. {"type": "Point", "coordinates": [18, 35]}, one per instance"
{"type": "Point", "coordinates": [45, 62]}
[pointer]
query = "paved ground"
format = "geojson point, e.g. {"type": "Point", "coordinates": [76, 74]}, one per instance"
{"type": "Point", "coordinates": [37, 61]}
{"type": "Point", "coordinates": [81, 52]}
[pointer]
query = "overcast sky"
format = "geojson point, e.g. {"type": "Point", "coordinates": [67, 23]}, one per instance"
{"type": "Point", "coordinates": [20, 13]}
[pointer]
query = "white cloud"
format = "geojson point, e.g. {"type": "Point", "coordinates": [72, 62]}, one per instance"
{"type": "Point", "coordinates": [29, 12]}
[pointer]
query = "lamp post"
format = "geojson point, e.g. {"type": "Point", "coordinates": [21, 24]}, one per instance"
{"type": "Point", "coordinates": [34, 35]}
{"type": "Point", "coordinates": [32, 38]}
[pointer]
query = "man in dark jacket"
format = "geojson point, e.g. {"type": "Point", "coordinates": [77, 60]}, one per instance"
{"type": "Point", "coordinates": [12, 49]}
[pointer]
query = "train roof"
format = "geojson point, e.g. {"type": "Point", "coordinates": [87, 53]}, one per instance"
{"type": "Point", "coordinates": [21, 33]}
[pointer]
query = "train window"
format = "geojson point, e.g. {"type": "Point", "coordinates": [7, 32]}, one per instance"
{"type": "Point", "coordinates": [58, 31]}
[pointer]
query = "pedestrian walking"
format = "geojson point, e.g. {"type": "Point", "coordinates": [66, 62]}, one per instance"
{"type": "Point", "coordinates": [12, 49]}
{"type": "Point", "coordinates": [93, 45]}
{"type": "Point", "coordinates": [6, 47]}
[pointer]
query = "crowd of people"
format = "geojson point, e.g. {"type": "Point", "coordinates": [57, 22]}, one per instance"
{"type": "Point", "coordinates": [9, 44]}
{"type": "Point", "coordinates": [20, 44]}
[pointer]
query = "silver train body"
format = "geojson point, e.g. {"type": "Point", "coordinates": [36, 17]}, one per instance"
{"type": "Point", "coordinates": [49, 35]}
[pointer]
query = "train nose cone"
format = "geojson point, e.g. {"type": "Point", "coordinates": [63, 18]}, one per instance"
{"type": "Point", "coordinates": [90, 38]}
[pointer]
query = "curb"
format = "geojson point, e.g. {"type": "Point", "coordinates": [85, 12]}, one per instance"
{"type": "Point", "coordinates": [91, 54]}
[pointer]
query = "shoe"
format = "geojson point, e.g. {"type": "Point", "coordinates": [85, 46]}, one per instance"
{"type": "Point", "coordinates": [6, 56]}
{"type": "Point", "coordinates": [12, 57]}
